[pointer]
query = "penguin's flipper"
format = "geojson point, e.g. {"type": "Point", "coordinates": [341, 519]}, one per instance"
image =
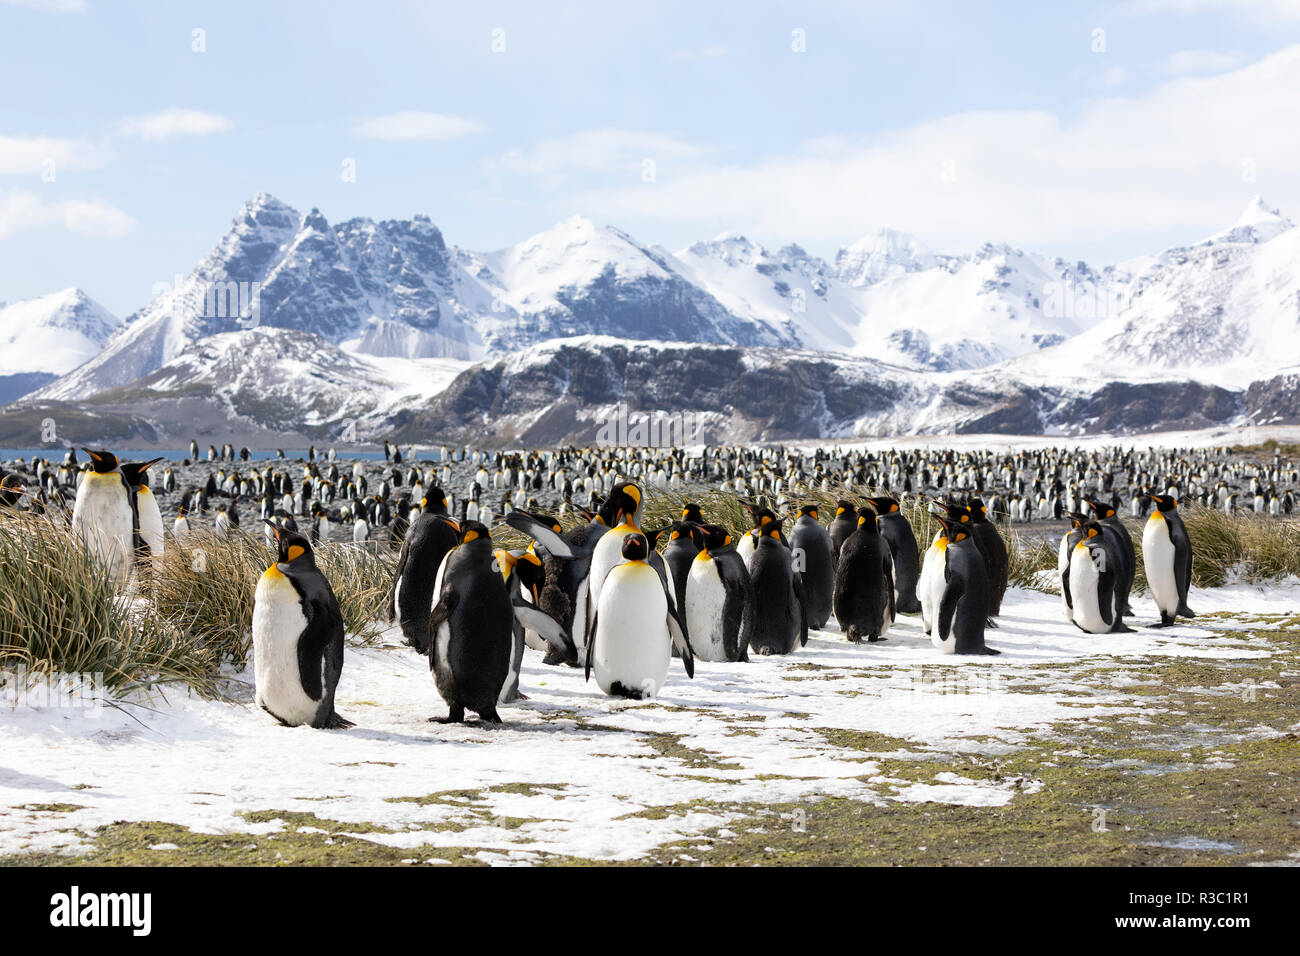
{"type": "Point", "coordinates": [803, 608]}
{"type": "Point", "coordinates": [591, 643]}
{"type": "Point", "coordinates": [1065, 588]}
{"type": "Point", "coordinates": [546, 626]}
{"type": "Point", "coordinates": [948, 605]}
{"type": "Point", "coordinates": [547, 538]}
{"type": "Point", "coordinates": [1106, 598]}
{"type": "Point", "coordinates": [890, 606]}
{"type": "Point", "coordinates": [681, 641]}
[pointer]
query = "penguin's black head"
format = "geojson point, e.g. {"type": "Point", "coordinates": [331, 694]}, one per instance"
{"type": "Point", "coordinates": [1100, 508]}
{"type": "Point", "coordinates": [867, 518]}
{"type": "Point", "coordinates": [710, 537]}
{"type": "Point", "coordinates": [808, 511]}
{"type": "Point", "coordinates": [773, 529]}
{"type": "Point", "coordinates": [101, 461]}
{"type": "Point", "coordinates": [1076, 519]}
{"type": "Point", "coordinates": [474, 531]}
{"type": "Point", "coordinates": [1163, 502]}
{"type": "Point", "coordinates": [137, 472]}
{"type": "Point", "coordinates": [884, 504]}
{"type": "Point", "coordinates": [683, 529]}
{"type": "Point", "coordinates": [1091, 529]}
{"type": "Point", "coordinates": [691, 512]}
{"type": "Point", "coordinates": [623, 504]}
{"type": "Point", "coordinates": [844, 507]}
{"type": "Point", "coordinates": [761, 516]}
{"type": "Point", "coordinates": [954, 530]}
{"type": "Point", "coordinates": [636, 547]}
{"type": "Point", "coordinates": [957, 511]}
{"type": "Point", "coordinates": [976, 508]}
{"type": "Point", "coordinates": [291, 547]}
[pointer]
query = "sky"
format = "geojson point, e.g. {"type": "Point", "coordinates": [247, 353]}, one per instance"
{"type": "Point", "coordinates": [132, 132]}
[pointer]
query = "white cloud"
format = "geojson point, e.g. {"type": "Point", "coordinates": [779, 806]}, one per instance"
{"type": "Point", "coordinates": [608, 150]}
{"type": "Point", "coordinates": [50, 6]}
{"type": "Point", "coordinates": [1256, 10]}
{"type": "Point", "coordinates": [1171, 158]}
{"type": "Point", "coordinates": [1116, 76]}
{"type": "Point", "coordinates": [22, 210]}
{"type": "Point", "coordinates": [710, 52]}
{"type": "Point", "coordinates": [415, 125]}
{"type": "Point", "coordinates": [28, 155]}
{"type": "Point", "coordinates": [1200, 61]}
{"type": "Point", "coordinates": [176, 122]}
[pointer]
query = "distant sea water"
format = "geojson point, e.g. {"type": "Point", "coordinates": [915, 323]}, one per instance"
{"type": "Point", "coordinates": [56, 454]}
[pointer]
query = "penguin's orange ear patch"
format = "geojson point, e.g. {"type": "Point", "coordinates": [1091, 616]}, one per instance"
{"type": "Point", "coordinates": [296, 551]}
{"type": "Point", "coordinates": [961, 535]}
{"type": "Point", "coordinates": [469, 536]}
{"type": "Point", "coordinates": [764, 520]}
{"type": "Point", "coordinates": [726, 541]}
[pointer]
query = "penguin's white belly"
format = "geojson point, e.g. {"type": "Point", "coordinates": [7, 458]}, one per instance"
{"type": "Point", "coordinates": [745, 548]}
{"type": "Point", "coordinates": [1158, 560]}
{"type": "Point", "coordinates": [705, 598]}
{"type": "Point", "coordinates": [607, 553]}
{"type": "Point", "coordinates": [151, 524]}
{"type": "Point", "coordinates": [930, 586]}
{"type": "Point", "coordinates": [278, 624]}
{"type": "Point", "coordinates": [101, 518]}
{"type": "Point", "coordinates": [633, 645]}
{"type": "Point", "coordinates": [1083, 593]}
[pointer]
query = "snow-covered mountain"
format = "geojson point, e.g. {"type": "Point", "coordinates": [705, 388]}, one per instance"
{"type": "Point", "coordinates": [384, 325]}
{"type": "Point", "coordinates": [49, 336]}
{"type": "Point", "coordinates": [1226, 310]}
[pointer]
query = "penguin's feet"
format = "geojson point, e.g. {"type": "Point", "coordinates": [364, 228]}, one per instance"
{"type": "Point", "coordinates": [455, 715]}
{"type": "Point", "coordinates": [489, 716]}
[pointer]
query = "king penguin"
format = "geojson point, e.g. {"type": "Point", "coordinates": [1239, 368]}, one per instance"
{"type": "Point", "coordinates": [1167, 559]}
{"type": "Point", "coordinates": [430, 538]}
{"type": "Point", "coordinates": [814, 556]}
{"type": "Point", "coordinates": [1117, 534]}
{"type": "Point", "coordinates": [1090, 584]}
{"type": "Point", "coordinates": [148, 516]}
{"type": "Point", "coordinates": [719, 598]}
{"type": "Point", "coordinates": [964, 605]}
{"type": "Point", "coordinates": [297, 638]}
{"type": "Point", "coordinates": [103, 516]}
{"type": "Point", "coordinates": [624, 508]}
{"type": "Point", "coordinates": [898, 534]}
{"type": "Point", "coordinates": [634, 628]}
{"type": "Point", "coordinates": [472, 628]}
{"type": "Point", "coordinates": [864, 583]}
{"type": "Point", "coordinates": [780, 620]}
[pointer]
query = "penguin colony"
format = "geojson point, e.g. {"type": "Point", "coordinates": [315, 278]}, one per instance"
{"type": "Point", "coordinates": [621, 601]}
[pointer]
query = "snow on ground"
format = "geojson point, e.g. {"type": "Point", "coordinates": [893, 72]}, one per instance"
{"type": "Point", "coordinates": [755, 733]}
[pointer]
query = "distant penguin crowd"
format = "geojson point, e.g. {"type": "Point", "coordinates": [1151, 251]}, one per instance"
{"type": "Point", "coordinates": [596, 590]}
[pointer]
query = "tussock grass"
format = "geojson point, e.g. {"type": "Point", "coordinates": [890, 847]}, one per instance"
{"type": "Point", "coordinates": [207, 585]}
{"type": "Point", "coordinates": [61, 613]}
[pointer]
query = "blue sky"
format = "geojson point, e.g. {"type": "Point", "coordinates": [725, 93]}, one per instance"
{"type": "Point", "coordinates": [956, 122]}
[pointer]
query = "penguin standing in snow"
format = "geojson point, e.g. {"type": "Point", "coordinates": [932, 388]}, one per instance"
{"type": "Point", "coordinates": [566, 563]}
{"type": "Point", "coordinates": [103, 516]}
{"type": "Point", "coordinates": [996, 561]}
{"type": "Point", "coordinates": [964, 604]}
{"type": "Point", "coordinates": [1122, 542]}
{"type": "Point", "coordinates": [678, 558]}
{"type": "Point", "coordinates": [431, 537]}
{"type": "Point", "coordinates": [719, 598]}
{"type": "Point", "coordinates": [864, 583]}
{"type": "Point", "coordinates": [623, 508]}
{"type": "Point", "coordinates": [634, 628]}
{"type": "Point", "coordinates": [1090, 584]}
{"type": "Point", "coordinates": [1167, 559]}
{"type": "Point", "coordinates": [780, 621]}
{"type": "Point", "coordinates": [898, 534]}
{"type": "Point", "coordinates": [931, 583]}
{"type": "Point", "coordinates": [297, 638]}
{"type": "Point", "coordinates": [472, 628]}
{"type": "Point", "coordinates": [810, 545]}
